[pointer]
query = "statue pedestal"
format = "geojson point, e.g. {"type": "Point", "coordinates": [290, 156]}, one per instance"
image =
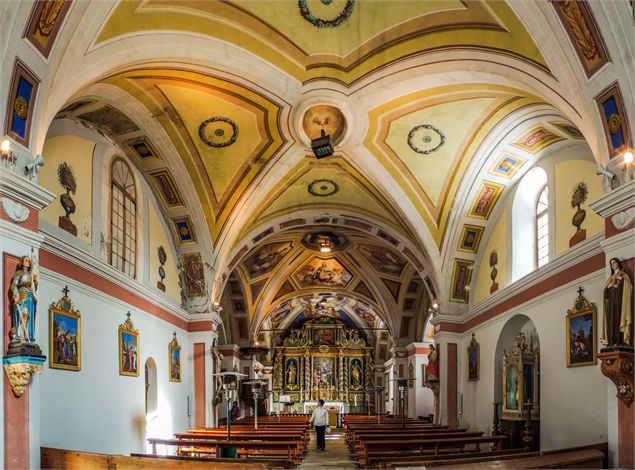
{"type": "Point", "coordinates": [20, 369]}
{"type": "Point", "coordinates": [617, 365]}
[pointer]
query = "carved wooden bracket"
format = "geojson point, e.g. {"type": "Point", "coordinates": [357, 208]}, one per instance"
{"type": "Point", "coordinates": [20, 372]}
{"type": "Point", "coordinates": [618, 366]}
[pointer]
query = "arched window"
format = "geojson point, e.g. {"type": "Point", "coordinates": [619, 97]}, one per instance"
{"type": "Point", "coordinates": [525, 212]}
{"type": "Point", "coordinates": [542, 228]}
{"type": "Point", "coordinates": [123, 219]}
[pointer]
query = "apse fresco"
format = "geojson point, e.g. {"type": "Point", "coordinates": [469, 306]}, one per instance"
{"type": "Point", "coordinates": [383, 260]}
{"type": "Point", "coordinates": [264, 260]}
{"type": "Point", "coordinates": [323, 272]}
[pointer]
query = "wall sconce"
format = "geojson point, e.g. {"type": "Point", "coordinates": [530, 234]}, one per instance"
{"type": "Point", "coordinates": [628, 162]}
{"type": "Point", "coordinates": [434, 308]}
{"type": "Point", "coordinates": [6, 153]}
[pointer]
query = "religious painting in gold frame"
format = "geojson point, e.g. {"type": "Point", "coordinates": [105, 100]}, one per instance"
{"type": "Point", "coordinates": [65, 335]}
{"type": "Point", "coordinates": [581, 333]}
{"type": "Point", "coordinates": [174, 360]}
{"type": "Point", "coordinates": [128, 348]}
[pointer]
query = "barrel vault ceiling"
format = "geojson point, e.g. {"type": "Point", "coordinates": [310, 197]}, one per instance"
{"type": "Point", "coordinates": [409, 160]}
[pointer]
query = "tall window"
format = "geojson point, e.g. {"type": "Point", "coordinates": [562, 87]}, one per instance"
{"type": "Point", "coordinates": [542, 228]}
{"type": "Point", "coordinates": [123, 219]}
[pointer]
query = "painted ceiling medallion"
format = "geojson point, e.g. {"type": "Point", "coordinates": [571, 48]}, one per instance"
{"type": "Point", "coordinates": [322, 23]}
{"type": "Point", "coordinates": [324, 117]}
{"type": "Point", "coordinates": [221, 128]}
{"type": "Point", "coordinates": [425, 139]}
{"type": "Point", "coordinates": [323, 187]}
{"type": "Point", "coordinates": [21, 107]}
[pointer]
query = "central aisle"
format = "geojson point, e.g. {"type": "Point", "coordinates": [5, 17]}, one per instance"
{"type": "Point", "coordinates": [335, 456]}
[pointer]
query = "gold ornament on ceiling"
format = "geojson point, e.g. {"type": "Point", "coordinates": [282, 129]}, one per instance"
{"type": "Point", "coordinates": [21, 107]}
{"type": "Point", "coordinates": [324, 117]}
{"type": "Point", "coordinates": [614, 123]}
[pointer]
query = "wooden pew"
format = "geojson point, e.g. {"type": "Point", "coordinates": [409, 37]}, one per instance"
{"type": "Point", "coordinates": [589, 458]}
{"type": "Point", "coordinates": [389, 462]}
{"type": "Point", "coordinates": [422, 446]}
{"type": "Point", "coordinates": [356, 446]}
{"type": "Point", "coordinates": [301, 437]}
{"type": "Point", "coordinates": [51, 458]}
{"type": "Point", "coordinates": [286, 450]}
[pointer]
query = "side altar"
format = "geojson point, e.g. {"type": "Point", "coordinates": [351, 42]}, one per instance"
{"type": "Point", "coordinates": [324, 360]}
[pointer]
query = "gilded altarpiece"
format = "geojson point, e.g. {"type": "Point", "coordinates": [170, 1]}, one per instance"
{"type": "Point", "coordinates": [324, 360]}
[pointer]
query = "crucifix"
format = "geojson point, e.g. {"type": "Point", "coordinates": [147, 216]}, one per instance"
{"type": "Point", "coordinates": [65, 290]}
{"type": "Point", "coordinates": [580, 290]}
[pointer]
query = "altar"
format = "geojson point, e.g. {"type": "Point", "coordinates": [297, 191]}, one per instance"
{"type": "Point", "coordinates": [324, 360]}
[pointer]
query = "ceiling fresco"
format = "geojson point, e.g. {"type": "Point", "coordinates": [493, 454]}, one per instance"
{"type": "Point", "coordinates": [343, 39]}
{"type": "Point", "coordinates": [435, 110]}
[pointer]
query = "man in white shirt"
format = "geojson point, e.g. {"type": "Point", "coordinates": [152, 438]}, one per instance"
{"type": "Point", "coordinates": [319, 419]}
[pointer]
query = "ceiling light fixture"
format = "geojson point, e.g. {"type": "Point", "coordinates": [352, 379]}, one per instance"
{"type": "Point", "coordinates": [325, 247]}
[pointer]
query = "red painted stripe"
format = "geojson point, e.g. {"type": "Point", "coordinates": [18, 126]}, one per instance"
{"type": "Point", "coordinates": [199, 385]}
{"type": "Point", "coordinates": [452, 383]}
{"type": "Point", "coordinates": [89, 278]}
{"type": "Point", "coordinates": [202, 325]}
{"type": "Point", "coordinates": [415, 351]}
{"type": "Point", "coordinates": [583, 268]}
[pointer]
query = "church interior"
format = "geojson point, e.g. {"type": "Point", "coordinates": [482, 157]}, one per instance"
{"type": "Point", "coordinates": [218, 212]}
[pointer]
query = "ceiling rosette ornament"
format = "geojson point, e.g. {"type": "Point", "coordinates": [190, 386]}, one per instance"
{"type": "Point", "coordinates": [425, 139]}
{"type": "Point", "coordinates": [323, 187]}
{"type": "Point", "coordinates": [343, 15]}
{"type": "Point", "coordinates": [218, 131]}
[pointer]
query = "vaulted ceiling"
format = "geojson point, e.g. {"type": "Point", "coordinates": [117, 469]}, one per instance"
{"type": "Point", "coordinates": [436, 109]}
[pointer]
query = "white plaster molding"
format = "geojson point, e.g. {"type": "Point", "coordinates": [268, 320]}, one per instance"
{"type": "Point", "coordinates": [621, 220]}
{"type": "Point", "coordinates": [615, 201]}
{"type": "Point", "coordinates": [621, 245]}
{"type": "Point", "coordinates": [19, 234]}
{"type": "Point", "coordinates": [71, 253]}
{"type": "Point", "coordinates": [24, 190]}
{"type": "Point", "coordinates": [53, 277]}
{"type": "Point", "coordinates": [539, 301]}
{"type": "Point", "coordinates": [16, 211]}
{"type": "Point", "coordinates": [570, 258]}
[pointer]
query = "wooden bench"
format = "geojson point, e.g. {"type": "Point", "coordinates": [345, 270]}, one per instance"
{"type": "Point", "coordinates": [401, 460]}
{"type": "Point", "coordinates": [589, 458]}
{"type": "Point", "coordinates": [423, 446]}
{"type": "Point", "coordinates": [287, 450]}
{"type": "Point", "coordinates": [357, 444]}
{"type": "Point", "coordinates": [51, 458]}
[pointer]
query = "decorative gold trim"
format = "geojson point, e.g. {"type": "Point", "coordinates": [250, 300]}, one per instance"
{"type": "Point", "coordinates": [128, 327]}
{"type": "Point", "coordinates": [174, 344]}
{"type": "Point", "coordinates": [64, 307]}
{"type": "Point", "coordinates": [581, 307]}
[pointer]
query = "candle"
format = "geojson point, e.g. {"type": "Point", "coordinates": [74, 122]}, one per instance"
{"type": "Point", "coordinates": [355, 398]}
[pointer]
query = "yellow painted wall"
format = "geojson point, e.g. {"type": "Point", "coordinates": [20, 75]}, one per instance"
{"type": "Point", "coordinates": [567, 175]}
{"type": "Point", "coordinates": [78, 154]}
{"type": "Point", "coordinates": [498, 242]}
{"type": "Point", "coordinates": [160, 237]}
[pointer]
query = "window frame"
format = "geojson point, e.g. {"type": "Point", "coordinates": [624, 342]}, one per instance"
{"type": "Point", "coordinates": [544, 213]}
{"type": "Point", "coordinates": [126, 196]}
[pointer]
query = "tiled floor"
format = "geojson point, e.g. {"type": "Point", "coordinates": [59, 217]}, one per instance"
{"type": "Point", "coordinates": [335, 456]}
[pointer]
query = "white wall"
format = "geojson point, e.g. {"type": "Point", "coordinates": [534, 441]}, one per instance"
{"type": "Point", "coordinates": [573, 400]}
{"type": "Point", "coordinates": [96, 409]}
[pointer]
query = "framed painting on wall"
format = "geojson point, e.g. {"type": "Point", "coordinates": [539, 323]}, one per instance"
{"type": "Point", "coordinates": [65, 335]}
{"type": "Point", "coordinates": [128, 348]}
{"type": "Point", "coordinates": [581, 333]}
{"type": "Point", "coordinates": [174, 356]}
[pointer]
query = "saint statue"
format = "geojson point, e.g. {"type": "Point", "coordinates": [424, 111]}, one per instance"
{"type": "Point", "coordinates": [24, 292]}
{"type": "Point", "coordinates": [618, 312]}
{"type": "Point", "coordinates": [292, 372]}
{"type": "Point", "coordinates": [433, 364]}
